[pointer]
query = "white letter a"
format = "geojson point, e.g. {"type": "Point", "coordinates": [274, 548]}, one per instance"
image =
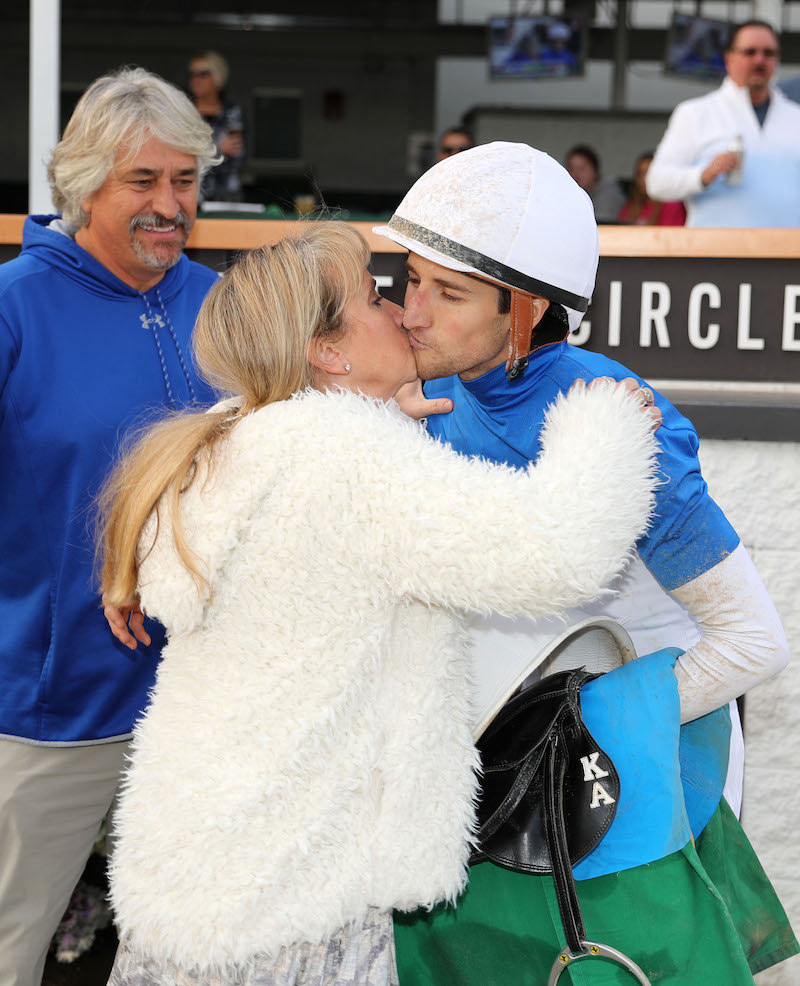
{"type": "Point", "coordinates": [600, 796]}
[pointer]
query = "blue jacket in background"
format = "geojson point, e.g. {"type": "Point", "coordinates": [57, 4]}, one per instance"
{"type": "Point", "coordinates": [83, 357]}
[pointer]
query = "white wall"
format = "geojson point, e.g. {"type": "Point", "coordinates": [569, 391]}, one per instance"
{"type": "Point", "coordinates": [757, 484]}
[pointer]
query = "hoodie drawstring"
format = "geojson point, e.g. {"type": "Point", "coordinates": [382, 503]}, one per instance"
{"type": "Point", "coordinates": [152, 322]}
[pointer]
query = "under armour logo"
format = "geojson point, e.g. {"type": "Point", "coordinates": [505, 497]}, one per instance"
{"type": "Point", "coordinates": [155, 320]}
{"type": "Point", "coordinates": [591, 771]}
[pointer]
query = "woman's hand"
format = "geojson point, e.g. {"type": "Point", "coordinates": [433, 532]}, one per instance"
{"type": "Point", "coordinates": [126, 622]}
{"type": "Point", "coordinates": [416, 405]}
{"type": "Point", "coordinates": [644, 395]}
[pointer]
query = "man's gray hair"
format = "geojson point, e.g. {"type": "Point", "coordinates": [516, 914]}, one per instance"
{"type": "Point", "coordinates": [122, 109]}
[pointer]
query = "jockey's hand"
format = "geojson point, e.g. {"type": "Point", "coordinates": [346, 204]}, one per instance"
{"type": "Point", "coordinates": [415, 404]}
{"type": "Point", "coordinates": [126, 622]}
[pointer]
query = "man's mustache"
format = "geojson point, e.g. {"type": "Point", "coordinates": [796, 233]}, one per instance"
{"type": "Point", "coordinates": [154, 220]}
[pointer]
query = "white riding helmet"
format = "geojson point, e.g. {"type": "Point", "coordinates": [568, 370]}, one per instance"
{"type": "Point", "coordinates": [511, 215]}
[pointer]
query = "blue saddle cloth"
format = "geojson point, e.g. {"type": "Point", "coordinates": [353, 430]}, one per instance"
{"type": "Point", "coordinates": [671, 777]}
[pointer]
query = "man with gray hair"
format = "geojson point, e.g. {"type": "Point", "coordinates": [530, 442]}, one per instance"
{"type": "Point", "coordinates": [95, 321]}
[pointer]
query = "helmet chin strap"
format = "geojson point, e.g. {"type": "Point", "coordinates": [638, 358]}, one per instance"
{"type": "Point", "coordinates": [523, 338]}
{"type": "Point", "coordinates": [520, 339]}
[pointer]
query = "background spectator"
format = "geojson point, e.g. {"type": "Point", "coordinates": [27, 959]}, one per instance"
{"type": "Point", "coordinates": [583, 164]}
{"type": "Point", "coordinates": [453, 141]}
{"type": "Point", "coordinates": [641, 210]}
{"type": "Point", "coordinates": [208, 76]}
{"type": "Point", "coordinates": [733, 155]}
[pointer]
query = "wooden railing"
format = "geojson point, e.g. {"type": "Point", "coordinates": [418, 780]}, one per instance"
{"type": "Point", "coordinates": [615, 241]}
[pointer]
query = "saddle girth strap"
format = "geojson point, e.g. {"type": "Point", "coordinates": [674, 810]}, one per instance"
{"type": "Point", "coordinates": [569, 908]}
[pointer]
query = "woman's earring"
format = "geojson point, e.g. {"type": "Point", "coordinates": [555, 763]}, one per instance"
{"type": "Point", "coordinates": [347, 367]}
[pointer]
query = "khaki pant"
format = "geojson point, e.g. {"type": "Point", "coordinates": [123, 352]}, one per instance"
{"type": "Point", "coordinates": [52, 801]}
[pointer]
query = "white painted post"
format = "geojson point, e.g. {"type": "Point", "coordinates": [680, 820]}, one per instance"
{"type": "Point", "coordinates": [43, 98]}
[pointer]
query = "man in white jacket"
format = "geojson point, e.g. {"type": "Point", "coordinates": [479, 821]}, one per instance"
{"type": "Point", "coordinates": [733, 155]}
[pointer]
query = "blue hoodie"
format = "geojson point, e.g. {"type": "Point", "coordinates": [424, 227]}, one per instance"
{"type": "Point", "coordinates": [83, 357]}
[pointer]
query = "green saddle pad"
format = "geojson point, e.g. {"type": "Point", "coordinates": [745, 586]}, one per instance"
{"type": "Point", "coordinates": [697, 917]}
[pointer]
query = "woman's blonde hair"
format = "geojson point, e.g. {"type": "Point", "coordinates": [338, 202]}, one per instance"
{"type": "Point", "coordinates": [217, 65]}
{"type": "Point", "coordinates": [250, 340]}
{"type": "Point", "coordinates": [122, 110]}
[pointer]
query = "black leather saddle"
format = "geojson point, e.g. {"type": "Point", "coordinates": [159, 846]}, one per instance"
{"type": "Point", "coordinates": [549, 795]}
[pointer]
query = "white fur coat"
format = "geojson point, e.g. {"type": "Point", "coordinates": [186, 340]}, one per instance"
{"type": "Point", "coordinates": [307, 752]}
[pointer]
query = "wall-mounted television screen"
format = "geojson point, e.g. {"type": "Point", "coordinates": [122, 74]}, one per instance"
{"type": "Point", "coordinates": [536, 47]}
{"type": "Point", "coordinates": [696, 47]}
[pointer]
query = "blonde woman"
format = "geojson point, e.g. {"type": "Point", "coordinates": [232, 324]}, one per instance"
{"type": "Point", "coordinates": [306, 763]}
{"type": "Point", "coordinates": [207, 77]}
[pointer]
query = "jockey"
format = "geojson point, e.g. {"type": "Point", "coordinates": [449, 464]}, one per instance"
{"type": "Point", "coordinates": [503, 252]}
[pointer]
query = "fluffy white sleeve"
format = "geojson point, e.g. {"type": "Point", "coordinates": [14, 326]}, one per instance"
{"type": "Point", "coordinates": [742, 641]}
{"type": "Point", "coordinates": [473, 535]}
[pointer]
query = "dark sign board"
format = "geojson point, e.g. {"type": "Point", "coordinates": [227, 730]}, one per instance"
{"type": "Point", "coordinates": [698, 319]}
